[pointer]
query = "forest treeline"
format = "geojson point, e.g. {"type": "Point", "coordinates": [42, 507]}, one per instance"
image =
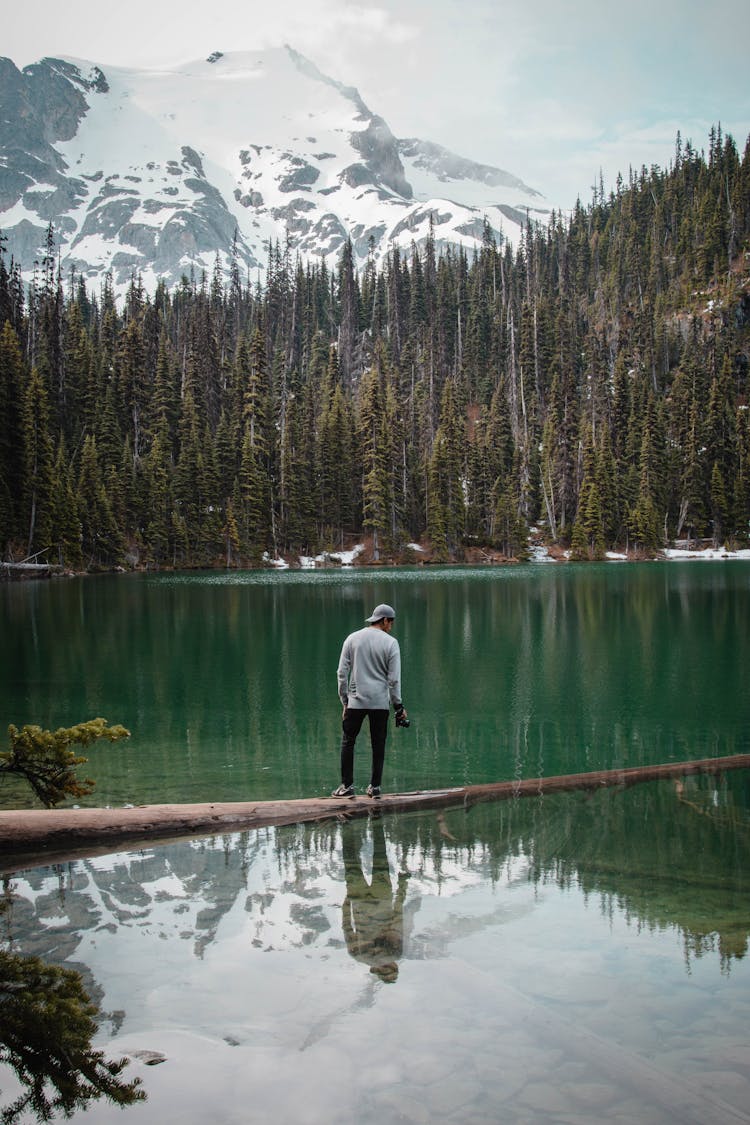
{"type": "Point", "coordinates": [591, 383]}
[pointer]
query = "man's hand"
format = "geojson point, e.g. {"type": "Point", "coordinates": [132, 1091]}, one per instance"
{"type": "Point", "coordinates": [402, 716]}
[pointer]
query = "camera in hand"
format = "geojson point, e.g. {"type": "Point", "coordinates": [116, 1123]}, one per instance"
{"type": "Point", "coordinates": [401, 719]}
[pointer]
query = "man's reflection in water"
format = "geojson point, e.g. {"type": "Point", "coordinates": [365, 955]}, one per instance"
{"type": "Point", "coordinates": [373, 914]}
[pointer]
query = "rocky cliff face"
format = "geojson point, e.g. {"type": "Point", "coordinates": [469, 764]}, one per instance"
{"type": "Point", "coordinates": [160, 173]}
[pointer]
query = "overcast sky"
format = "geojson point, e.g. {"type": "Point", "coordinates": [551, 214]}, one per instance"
{"type": "Point", "coordinates": [551, 91]}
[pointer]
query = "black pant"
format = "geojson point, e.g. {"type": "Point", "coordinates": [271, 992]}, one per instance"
{"type": "Point", "coordinates": [351, 726]}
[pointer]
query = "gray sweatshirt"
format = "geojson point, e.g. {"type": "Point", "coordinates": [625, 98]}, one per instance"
{"type": "Point", "coordinates": [369, 672]}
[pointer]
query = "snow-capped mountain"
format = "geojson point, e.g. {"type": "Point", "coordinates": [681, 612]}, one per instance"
{"type": "Point", "coordinates": [155, 172]}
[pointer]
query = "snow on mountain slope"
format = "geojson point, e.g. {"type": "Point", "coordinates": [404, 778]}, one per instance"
{"type": "Point", "coordinates": [153, 173]}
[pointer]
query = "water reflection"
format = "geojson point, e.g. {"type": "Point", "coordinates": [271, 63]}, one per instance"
{"type": "Point", "coordinates": [665, 854]}
{"type": "Point", "coordinates": [47, 1022]}
{"type": "Point", "coordinates": [372, 915]}
{"type": "Point", "coordinates": [507, 672]}
{"type": "Point", "coordinates": [535, 929]}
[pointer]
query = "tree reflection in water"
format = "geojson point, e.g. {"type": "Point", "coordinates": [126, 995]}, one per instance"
{"type": "Point", "coordinates": [47, 1021]}
{"type": "Point", "coordinates": [266, 926]}
{"type": "Point", "coordinates": [667, 855]}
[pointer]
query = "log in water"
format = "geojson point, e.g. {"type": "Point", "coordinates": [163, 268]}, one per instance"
{"type": "Point", "coordinates": [49, 835]}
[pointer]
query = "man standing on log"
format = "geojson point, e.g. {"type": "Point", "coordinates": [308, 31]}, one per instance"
{"type": "Point", "coordinates": [369, 678]}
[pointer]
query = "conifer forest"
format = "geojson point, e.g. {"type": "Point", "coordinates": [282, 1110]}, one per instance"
{"type": "Point", "coordinates": [591, 384]}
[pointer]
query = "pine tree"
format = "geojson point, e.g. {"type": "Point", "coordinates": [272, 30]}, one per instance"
{"type": "Point", "coordinates": [99, 533]}
{"type": "Point", "coordinates": [45, 760]}
{"type": "Point", "coordinates": [449, 470]}
{"type": "Point", "coordinates": [643, 519]}
{"type": "Point", "coordinates": [587, 540]}
{"type": "Point", "coordinates": [606, 479]}
{"type": "Point", "coordinates": [157, 471]}
{"type": "Point", "coordinates": [349, 316]}
{"type": "Point", "coordinates": [38, 464]}
{"type": "Point", "coordinates": [720, 510]}
{"type": "Point", "coordinates": [12, 466]}
{"type": "Point", "coordinates": [231, 534]}
{"type": "Point", "coordinates": [436, 521]}
{"type": "Point", "coordinates": [691, 517]}
{"type": "Point", "coordinates": [65, 523]}
{"type": "Point", "coordinates": [510, 533]}
{"type": "Point", "coordinates": [254, 496]}
{"type": "Point", "coordinates": [560, 437]}
{"type": "Point", "coordinates": [374, 451]}
{"type": "Point", "coordinates": [721, 450]}
{"type": "Point", "coordinates": [741, 498]}
{"type": "Point", "coordinates": [255, 483]}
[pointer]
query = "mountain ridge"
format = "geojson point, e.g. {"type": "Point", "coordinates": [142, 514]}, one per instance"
{"type": "Point", "coordinates": [156, 172]}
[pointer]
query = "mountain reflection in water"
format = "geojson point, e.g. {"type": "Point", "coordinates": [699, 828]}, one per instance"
{"type": "Point", "coordinates": [277, 940]}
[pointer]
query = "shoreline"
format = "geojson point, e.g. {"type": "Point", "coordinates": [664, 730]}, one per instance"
{"type": "Point", "coordinates": [352, 560]}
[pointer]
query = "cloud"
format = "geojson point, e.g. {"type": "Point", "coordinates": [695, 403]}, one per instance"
{"type": "Point", "coordinates": [192, 29]}
{"type": "Point", "coordinates": [549, 119]}
{"type": "Point", "coordinates": [377, 21]}
{"type": "Point", "coordinates": [550, 91]}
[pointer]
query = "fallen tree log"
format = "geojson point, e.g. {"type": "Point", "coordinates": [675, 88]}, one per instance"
{"type": "Point", "coordinates": [29, 836]}
{"type": "Point", "coordinates": [19, 571]}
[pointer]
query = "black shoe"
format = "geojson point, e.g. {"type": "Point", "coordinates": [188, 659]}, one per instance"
{"type": "Point", "coordinates": [343, 791]}
{"type": "Point", "coordinates": [373, 790]}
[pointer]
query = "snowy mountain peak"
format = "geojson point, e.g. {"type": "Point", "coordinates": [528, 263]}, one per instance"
{"type": "Point", "coordinates": [154, 172]}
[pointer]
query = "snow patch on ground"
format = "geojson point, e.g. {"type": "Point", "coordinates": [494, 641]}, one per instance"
{"type": "Point", "coordinates": [539, 553]}
{"type": "Point", "coordinates": [707, 553]}
{"type": "Point", "coordinates": [279, 564]}
{"type": "Point", "coordinates": [343, 558]}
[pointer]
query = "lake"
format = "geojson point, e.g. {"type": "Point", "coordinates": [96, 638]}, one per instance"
{"type": "Point", "coordinates": [572, 958]}
{"type": "Point", "coordinates": [227, 680]}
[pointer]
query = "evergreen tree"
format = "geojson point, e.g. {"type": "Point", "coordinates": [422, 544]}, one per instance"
{"type": "Point", "coordinates": [595, 375]}
{"type": "Point", "coordinates": [741, 497]}
{"type": "Point", "coordinates": [510, 533]}
{"type": "Point", "coordinates": [192, 497]}
{"type": "Point", "coordinates": [587, 539]}
{"type": "Point", "coordinates": [65, 523]}
{"type": "Point", "coordinates": [12, 466]}
{"type": "Point", "coordinates": [99, 532]}
{"type": "Point", "coordinates": [157, 472]}
{"type": "Point", "coordinates": [720, 512]}
{"type": "Point", "coordinates": [38, 465]}
{"type": "Point", "coordinates": [349, 316]}
{"type": "Point", "coordinates": [691, 517]}
{"type": "Point", "coordinates": [373, 441]}
{"type": "Point", "coordinates": [254, 477]}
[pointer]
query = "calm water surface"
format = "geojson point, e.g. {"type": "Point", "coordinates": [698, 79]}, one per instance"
{"type": "Point", "coordinates": [227, 681]}
{"type": "Point", "coordinates": [575, 958]}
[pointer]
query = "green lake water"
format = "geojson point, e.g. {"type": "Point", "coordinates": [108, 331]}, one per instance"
{"type": "Point", "coordinates": [575, 958]}
{"type": "Point", "coordinates": [227, 681]}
